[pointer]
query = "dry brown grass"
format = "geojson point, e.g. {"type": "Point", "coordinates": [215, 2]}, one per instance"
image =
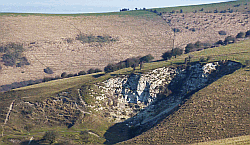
{"type": "Point", "coordinates": [136, 36]}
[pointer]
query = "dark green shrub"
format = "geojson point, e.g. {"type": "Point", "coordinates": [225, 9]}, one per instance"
{"type": "Point", "coordinates": [241, 35]}
{"type": "Point", "coordinates": [64, 75]}
{"type": "Point", "coordinates": [48, 70]}
{"type": "Point", "coordinates": [229, 40]}
{"type": "Point", "coordinates": [220, 42]}
{"type": "Point", "coordinates": [248, 33]}
{"type": "Point", "coordinates": [201, 9]}
{"type": "Point", "coordinates": [121, 65]}
{"type": "Point", "coordinates": [177, 51]}
{"type": "Point", "coordinates": [98, 70]}
{"type": "Point", "coordinates": [181, 11]}
{"type": "Point", "coordinates": [110, 68]}
{"type": "Point", "coordinates": [222, 33]}
{"type": "Point", "coordinates": [189, 47]}
{"type": "Point", "coordinates": [130, 61]}
{"type": "Point", "coordinates": [50, 136]}
{"type": "Point", "coordinates": [167, 55]}
{"type": "Point", "coordinates": [146, 58]}
{"type": "Point", "coordinates": [198, 44]}
{"type": "Point", "coordinates": [90, 71]}
{"type": "Point", "coordinates": [70, 75]}
{"type": "Point", "coordinates": [82, 73]}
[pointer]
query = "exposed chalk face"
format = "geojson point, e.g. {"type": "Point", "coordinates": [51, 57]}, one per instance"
{"type": "Point", "coordinates": [142, 89]}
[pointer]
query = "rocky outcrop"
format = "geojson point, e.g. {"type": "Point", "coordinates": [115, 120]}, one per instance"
{"type": "Point", "coordinates": [132, 95]}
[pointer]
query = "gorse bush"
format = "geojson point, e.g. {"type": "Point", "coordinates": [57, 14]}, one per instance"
{"type": "Point", "coordinates": [82, 73]}
{"type": "Point", "coordinates": [241, 35]}
{"type": "Point", "coordinates": [91, 38]}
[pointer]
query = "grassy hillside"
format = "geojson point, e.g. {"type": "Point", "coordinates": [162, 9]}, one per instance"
{"type": "Point", "coordinates": [215, 112]}
{"type": "Point", "coordinates": [239, 6]}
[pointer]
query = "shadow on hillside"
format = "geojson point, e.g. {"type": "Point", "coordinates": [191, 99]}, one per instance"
{"type": "Point", "coordinates": [98, 75]}
{"type": "Point", "coordinates": [131, 127]}
{"type": "Point", "coordinates": [33, 142]}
